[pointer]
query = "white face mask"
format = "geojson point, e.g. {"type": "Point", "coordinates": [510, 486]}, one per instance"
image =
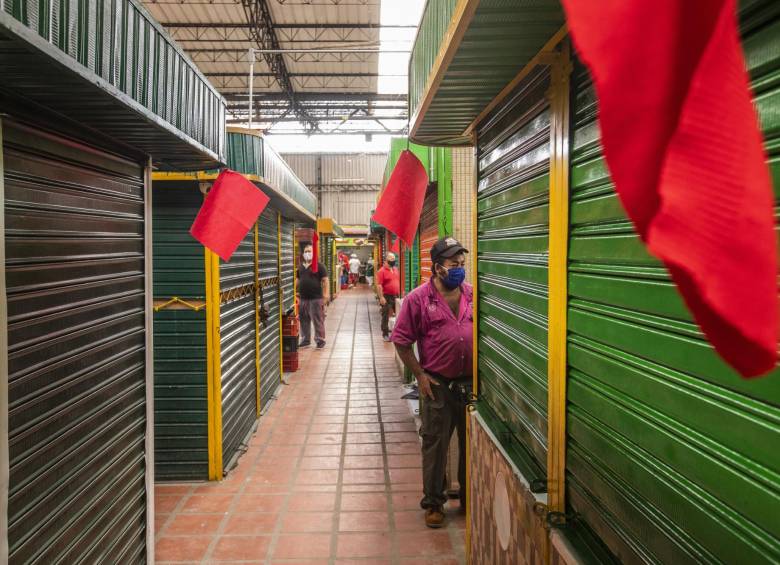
{"type": "Point", "coordinates": [307, 255]}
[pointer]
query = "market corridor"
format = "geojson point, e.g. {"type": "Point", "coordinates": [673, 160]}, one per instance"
{"type": "Point", "coordinates": [332, 474]}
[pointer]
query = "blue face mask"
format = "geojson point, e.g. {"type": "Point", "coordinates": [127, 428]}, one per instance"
{"type": "Point", "coordinates": [455, 276]}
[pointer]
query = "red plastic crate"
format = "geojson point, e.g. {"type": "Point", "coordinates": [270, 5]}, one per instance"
{"type": "Point", "coordinates": [290, 362]}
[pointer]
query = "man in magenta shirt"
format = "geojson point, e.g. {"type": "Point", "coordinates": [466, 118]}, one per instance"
{"type": "Point", "coordinates": [388, 288]}
{"type": "Point", "coordinates": [437, 316]}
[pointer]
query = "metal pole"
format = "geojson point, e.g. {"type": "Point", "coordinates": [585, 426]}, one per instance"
{"type": "Point", "coordinates": [251, 82]}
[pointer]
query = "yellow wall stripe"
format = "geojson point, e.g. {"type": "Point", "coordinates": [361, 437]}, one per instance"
{"type": "Point", "coordinates": [559, 234]}
{"type": "Point", "coordinates": [214, 375]}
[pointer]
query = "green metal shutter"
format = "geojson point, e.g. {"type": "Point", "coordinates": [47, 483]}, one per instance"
{"type": "Point", "coordinates": [74, 221]}
{"type": "Point", "coordinates": [180, 395]}
{"type": "Point", "coordinates": [288, 264]}
{"type": "Point", "coordinates": [671, 456]}
{"type": "Point", "coordinates": [237, 347]}
{"type": "Point", "coordinates": [513, 203]}
{"type": "Point", "coordinates": [269, 336]}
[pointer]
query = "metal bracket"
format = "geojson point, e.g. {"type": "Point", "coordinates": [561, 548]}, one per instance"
{"type": "Point", "coordinates": [559, 520]}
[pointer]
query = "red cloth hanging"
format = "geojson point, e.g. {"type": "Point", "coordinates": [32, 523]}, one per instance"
{"type": "Point", "coordinates": [401, 202]}
{"type": "Point", "coordinates": [229, 211]}
{"type": "Point", "coordinates": [683, 145]}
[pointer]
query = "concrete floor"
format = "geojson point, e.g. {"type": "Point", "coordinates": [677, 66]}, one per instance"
{"type": "Point", "coordinates": [331, 476]}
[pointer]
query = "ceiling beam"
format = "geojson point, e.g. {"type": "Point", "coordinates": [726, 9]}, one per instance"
{"type": "Point", "coordinates": [326, 96]}
{"type": "Point", "coordinates": [290, 25]}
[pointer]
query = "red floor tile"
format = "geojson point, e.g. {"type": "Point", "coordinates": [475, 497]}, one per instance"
{"type": "Point", "coordinates": [311, 502]}
{"type": "Point", "coordinates": [322, 451]}
{"type": "Point", "coordinates": [241, 548]}
{"type": "Point", "coordinates": [425, 543]}
{"type": "Point", "coordinates": [205, 503]}
{"type": "Point", "coordinates": [260, 503]}
{"type": "Point", "coordinates": [317, 477]}
{"type": "Point", "coordinates": [181, 548]}
{"type": "Point", "coordinates": [307, 522]}
{"type": "Point", "coordinates": [364, 522]}
{"type": "Point", "coordinates": [364, 501]}
{"type": "Point", "coordinates": [363, 476]}
{"type": "Point", "coordinates": [363, 462]}
{"type": "Point", "coordinates": [404, 461]}
{"type": "Point", "coordinates": [165, 504]}
{"type": "Point", "coordinates": [250, 523]}
{"type": "Point", "coordinates": [320, 463]}
{"type": "Point", "coordinates": [298, 546]}
{"type": "Point", "coordinates": [363, 545]}
{"type": "Point", "coordinates": [193, 524]}
{"type": "Point", "coordinates": [363, 449]}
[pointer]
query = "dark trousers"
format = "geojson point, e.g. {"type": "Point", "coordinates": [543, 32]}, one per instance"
{"type": "Point", "coordinates": [387, 310]}
{"type": "Point", "coordinates": [440, 417]}
{"type": "Point", "coordinates": [311, 312]}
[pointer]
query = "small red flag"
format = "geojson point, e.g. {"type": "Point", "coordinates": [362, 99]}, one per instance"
{"type": "Point", "coordinates": [229, 211]}
{"type": "Point", "coordinates": [683, 145]}
{"type": "Point", "coordinates": [401, 202]}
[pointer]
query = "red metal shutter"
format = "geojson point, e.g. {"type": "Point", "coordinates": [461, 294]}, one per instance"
{"type": "Point", "coordinates": [429, 233]}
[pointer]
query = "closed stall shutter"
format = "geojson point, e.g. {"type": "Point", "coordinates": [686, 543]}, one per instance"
{"type": "Point", "coordinates": [512, 200]}
{"type": "Point", "coordinates": [671, 457]}
{"type": "Point", "coordinates": [429, 233]}
{"type": "Point", "coordinates": [269, 336]}
{"type": "Point", "coordinates": [288, 264]}
{"type": "Point", "coordinates": [180, 395]}
{"type": "Point", "coordinates": [237, 347]}
{"type": "Point", "coordinates": [74, 228]}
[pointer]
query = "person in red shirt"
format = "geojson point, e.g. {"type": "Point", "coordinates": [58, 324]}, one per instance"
{"type": "Point", "coordinates": [388, 288]}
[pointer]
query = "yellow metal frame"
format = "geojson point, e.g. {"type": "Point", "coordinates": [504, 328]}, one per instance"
{"type": "Point", "coordinates": [214, 371]}
{"type": "Point", "coordinates": [475, 344]}
{"type": "Point", "coordinates": [459, 23]}
{"type": "Point", "coordinates": [176, 303]}
{"type": "Point", "coordinates": [560, 73]}
{"type": "Point", "coordinates": [281, 294]}
{"type": "Point", "coordinates": [258, 407]}
{"type": "Point", "coordinates": [197, 176]}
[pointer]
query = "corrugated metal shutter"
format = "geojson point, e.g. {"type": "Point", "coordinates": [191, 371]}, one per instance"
{"type": "Point", "coordinates": [76, 346]}
{"type": "Point", "coordinates": [512, 200]}
{"type": "Point", "coordinates": [180, 395]}
{"type": "Point", "coordinates": [237, 347]}
{"type": "Point", "coordinates": [269, 336]}
{"type": "Point", "coordinates": [288, 264]}
{"type": "Point", "coordinates": [429, 233]}
{"type": "Point", "coordinates": [671, 457]}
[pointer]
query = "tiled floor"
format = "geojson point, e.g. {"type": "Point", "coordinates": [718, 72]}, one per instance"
{"type": "Point", "coordinates": [332, 475]}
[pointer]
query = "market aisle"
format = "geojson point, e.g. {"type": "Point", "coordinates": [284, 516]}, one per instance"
{"type": "Point", "coordinates": [331, 476]}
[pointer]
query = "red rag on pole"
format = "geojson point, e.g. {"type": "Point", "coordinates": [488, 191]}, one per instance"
{"type": "Point", "coordinates": [401, 203]}
{"type": "Point", "coordinates": [683, 145]}
{"type": "Point", "coordinates": [229, 211]}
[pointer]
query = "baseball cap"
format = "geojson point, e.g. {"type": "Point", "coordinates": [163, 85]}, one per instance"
{"type": "Point", "coordinates": [445, 248]}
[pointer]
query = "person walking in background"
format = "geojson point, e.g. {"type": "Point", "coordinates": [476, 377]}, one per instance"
{"type": "Point", "coordinates": [354, 270]}
{"type": "Point", "coordinates": [437, 316]}
{"type": "Point", "coordinates": [388, 289]}
{"type": "Point", "coordinates": [370, 272]}
{"type": "Point", "coordinates": [314, 295]}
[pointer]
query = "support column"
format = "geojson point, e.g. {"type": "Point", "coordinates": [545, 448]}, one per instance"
{"type": "Point", "coordinates": [214, 379]}
{"type": "Point", "coordinates": [4, 460]}
{"type": "Point", "coordinates": [149, 360]}
{"type": "Point", "coordinates": [560, 72]}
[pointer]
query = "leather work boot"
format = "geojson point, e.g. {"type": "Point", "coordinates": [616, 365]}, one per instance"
{"type": "Point", "coordinates": [434, 517]}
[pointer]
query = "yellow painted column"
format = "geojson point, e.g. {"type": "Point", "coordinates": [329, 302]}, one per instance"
{"type": "Point", "coordinates": [560, 72]}
{"type": "Point", "coordinates": [258, 350]}
{"type": "Point", "coordinates": [214, 373]}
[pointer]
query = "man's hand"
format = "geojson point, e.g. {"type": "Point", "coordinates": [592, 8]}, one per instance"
{"type": "Point", "coordinates": [382, 301]}
{"type": "Point", "coordinates": [424, 382]}
{"type": "Point", "coordinates": [325, 301]}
